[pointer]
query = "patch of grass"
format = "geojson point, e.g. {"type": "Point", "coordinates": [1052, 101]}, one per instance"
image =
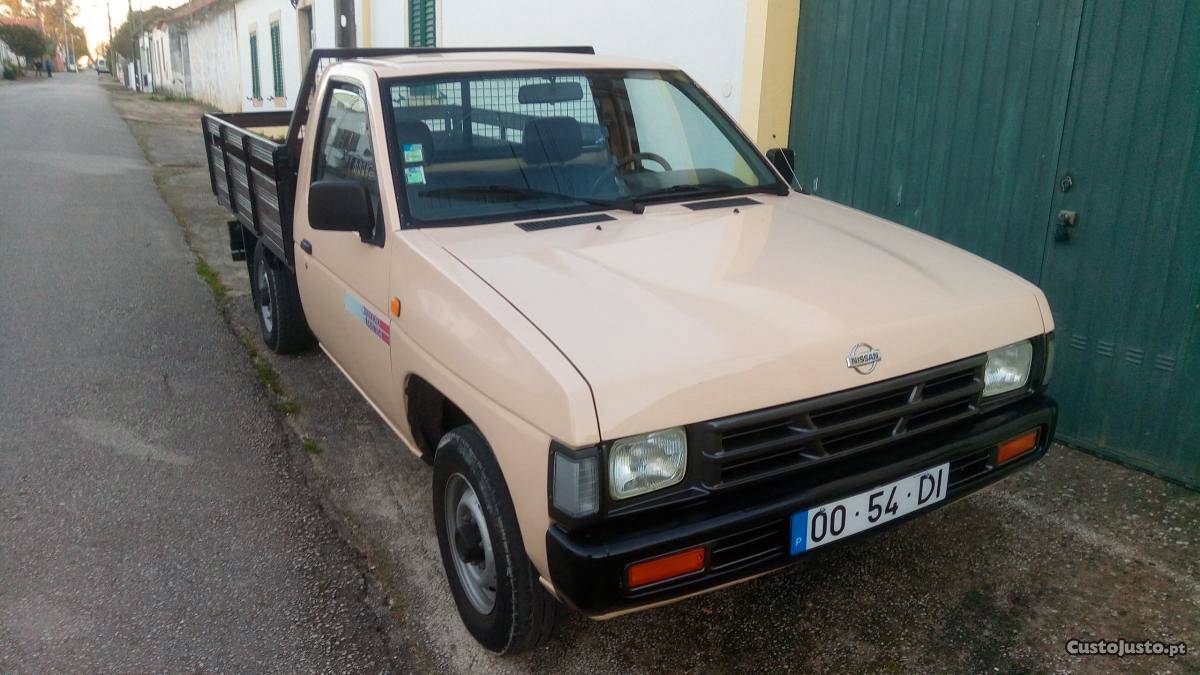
{"type": "Point", "coordinates": [310, 445]}
{"type": "Point", "coordinates": [210, 277]}
{"type": "Point", "coordinates": [268, 376]}
{"type": "Point", "coordinates": [170, 98]}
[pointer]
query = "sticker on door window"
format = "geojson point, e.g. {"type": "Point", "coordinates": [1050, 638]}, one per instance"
{"type": "Point", "coordinates": [377, 324]}
{"type": "Point", "coordinates": [414, 175]}
{"type": "Point", "coordinates": [413, 153]}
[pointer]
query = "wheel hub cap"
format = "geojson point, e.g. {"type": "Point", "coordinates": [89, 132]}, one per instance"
{"type": "Point", "coordinates": [470, 544]}
{"type": "Point", "coordinates": [264, 300]}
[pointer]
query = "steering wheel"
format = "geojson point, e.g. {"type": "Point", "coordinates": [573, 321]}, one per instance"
{"type": "Point", "coordinates": [639, 156]}
{"type": "Point", "coordinates": [635, 157]}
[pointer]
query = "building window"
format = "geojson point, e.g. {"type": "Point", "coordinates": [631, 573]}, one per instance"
{"type": "Point", "coordinates": [422, 26]}
{"type": "Point", "coordinates": [276, 59]}
{"type": "Point", "coordinates": [255, 85]}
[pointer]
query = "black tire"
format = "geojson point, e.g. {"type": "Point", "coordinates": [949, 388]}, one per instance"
{"type": "Point", "coordinates": [524, 614]}
{"type": "Point", "coordinates": [277, 304]}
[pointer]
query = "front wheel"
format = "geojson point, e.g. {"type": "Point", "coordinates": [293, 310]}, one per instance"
{"type": "Point", "coordinates": [495, 587]}
{"type": "Point", "coordinates": [277, 303]}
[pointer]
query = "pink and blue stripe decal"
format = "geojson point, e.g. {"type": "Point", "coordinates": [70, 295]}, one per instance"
{"type": "Point", "coordinates": [375, 323]}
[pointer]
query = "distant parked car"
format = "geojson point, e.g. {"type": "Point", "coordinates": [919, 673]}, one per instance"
{"type": "Point", "coordinates": [101, 66]}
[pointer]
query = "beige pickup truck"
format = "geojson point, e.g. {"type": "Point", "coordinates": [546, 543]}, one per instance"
{"type": "Point", "coordinates": [640, 363]}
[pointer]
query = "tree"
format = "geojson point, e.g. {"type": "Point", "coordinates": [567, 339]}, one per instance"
{"type": "Point", "coordinates": [12, 8]}
{"type": "Point", "coordinates": [25, 41]}
{"type": "Point", "coordinates": [125, 37]}
{"type": "Point", "coordinates": [78, 41]}
{"type": "Point", "coordinates": [57, 18]}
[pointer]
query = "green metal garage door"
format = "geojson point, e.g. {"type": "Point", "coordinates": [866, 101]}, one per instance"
{"type": "Point", "coordinates": [981, 122]}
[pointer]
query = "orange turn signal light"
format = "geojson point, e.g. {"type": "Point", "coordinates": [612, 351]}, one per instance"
{"type": "Point", "coordinates": [1016, 447]}
{"type": "Point", "coordinates": [665, 567]}
{"type": "Point", "coordinates": [395, 307]}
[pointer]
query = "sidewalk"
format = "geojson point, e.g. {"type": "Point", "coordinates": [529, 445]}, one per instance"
{"type": "Point", "coordinates": [1075, 548]}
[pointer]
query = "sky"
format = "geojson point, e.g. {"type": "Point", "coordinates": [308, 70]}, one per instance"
{"type": "Point", "coordinates": [93, 17]}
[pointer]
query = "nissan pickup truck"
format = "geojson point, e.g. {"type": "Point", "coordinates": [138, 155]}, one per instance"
{"type": "Point", "coordinates": [642, 363]}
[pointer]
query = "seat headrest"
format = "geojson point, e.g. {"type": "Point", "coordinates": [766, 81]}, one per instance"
{"type": "Point", "coordinates": [410, 132]}
{"type": "Point", "coordinates": [552, 140]}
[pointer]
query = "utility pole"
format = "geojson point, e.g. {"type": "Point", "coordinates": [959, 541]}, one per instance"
{"type": "Point", "coordinates": [133, 36]}
{"type": "Point", "coordinates": [109, 46]}
{"type": "Point", "coordinates": [66, 41]}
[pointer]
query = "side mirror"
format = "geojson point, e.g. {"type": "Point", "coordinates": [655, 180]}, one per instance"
{"type": "Point", "coordinates": [341, 206]}
{"type": "Point", "coordinates": [784, 161]}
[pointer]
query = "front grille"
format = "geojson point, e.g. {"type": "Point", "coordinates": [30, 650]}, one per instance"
{"type": "Point", "coordinates": [966, 469]}
{"type": "Point", "coordinates": [748, 547]}
{"type": "Point", "coordinates": [754, 446]}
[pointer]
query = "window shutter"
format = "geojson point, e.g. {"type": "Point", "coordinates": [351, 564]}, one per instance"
{"type": "Point", "coordinates": [255, 88]}
{"type": "Point", "coordinates": [276, 60]}
{"type": "Point", "coordinates": [422, 25]}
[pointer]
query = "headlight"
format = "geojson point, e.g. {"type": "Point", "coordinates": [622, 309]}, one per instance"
{"type": "Point", "coordinates": [647, 462]}
{"type": "Point", "coordinates": [1007, 368]}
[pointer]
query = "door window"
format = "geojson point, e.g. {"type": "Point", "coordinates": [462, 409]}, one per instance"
{"type": "Point", "coordinates": [345, 151]}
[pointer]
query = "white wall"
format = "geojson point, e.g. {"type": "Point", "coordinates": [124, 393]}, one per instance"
{"type": "Point", "coordinates": [160, 47]}
{"type": "Point", "coordinates": [389, 23]}
{"type": "Point", "coordinates": [706, 39]}
{"type": "Point", "coordinates": [388, 19]}
{"type": "Point", "coordinates": [7, 54]}
{"type": "Point", "coordinates": [213, 57]}
{"type": "Point", "coordinates": [259, 14]}
{"type": "Point", "coordinates": [324, 23]}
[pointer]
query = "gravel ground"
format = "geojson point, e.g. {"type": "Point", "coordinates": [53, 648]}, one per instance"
{"type": "Point", "coordinates": [1076, 547]}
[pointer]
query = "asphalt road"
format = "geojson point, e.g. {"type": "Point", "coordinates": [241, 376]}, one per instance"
{"type": "Point", "coordinates": [150, 519]}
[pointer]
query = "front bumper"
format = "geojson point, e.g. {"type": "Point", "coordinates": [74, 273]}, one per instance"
{"type": "Point", "coordinates": [750, 537]}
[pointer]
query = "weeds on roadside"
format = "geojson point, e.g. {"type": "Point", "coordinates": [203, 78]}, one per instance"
{"type": "Point", "coordinates": [170, 98]}
{"type": "Point", "coordinates": [310, 445]}
{"type": "Point", "coordinates": [210, 277]}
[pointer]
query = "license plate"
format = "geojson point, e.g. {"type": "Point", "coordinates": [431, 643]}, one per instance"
{"type": "Point", "coordinates": [848, 516]}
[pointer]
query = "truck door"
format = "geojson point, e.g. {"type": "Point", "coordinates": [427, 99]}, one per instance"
{"type": "Point", "coordinates": [343, 276]}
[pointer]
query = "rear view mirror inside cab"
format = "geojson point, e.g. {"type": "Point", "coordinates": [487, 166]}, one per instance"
{"type": "Point", "coordinates": [550, 92]}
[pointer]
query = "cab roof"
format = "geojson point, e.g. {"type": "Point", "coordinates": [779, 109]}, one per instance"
{"type": "Point", "coordinates": [434, 63]}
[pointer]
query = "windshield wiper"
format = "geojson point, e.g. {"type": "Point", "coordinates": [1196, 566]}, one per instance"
{"type": "Point", "coordinates": [515, 191]}
{"type": "Point", "coordinates": [714, 189]}
{"type": "Point", "coordinates": [694, 187]}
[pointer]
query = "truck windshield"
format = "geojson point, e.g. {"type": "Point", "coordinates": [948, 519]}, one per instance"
{"type": "Point", "coordinates": [495, 146]}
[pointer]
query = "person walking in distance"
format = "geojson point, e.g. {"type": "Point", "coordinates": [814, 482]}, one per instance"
{"type": "Point", "coordinates": [49, 68]}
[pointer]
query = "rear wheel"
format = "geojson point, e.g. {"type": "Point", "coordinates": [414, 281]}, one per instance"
{"type": "Point", "coordinates": [277, 303]}
{"type": "Point", "coordinates": [495, 587]}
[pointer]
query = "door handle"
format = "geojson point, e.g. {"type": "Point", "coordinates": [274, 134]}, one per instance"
{"type": "Point", "coordinates": [306, 246]}
{"type": "Point", "coordinates": [1066, 223]}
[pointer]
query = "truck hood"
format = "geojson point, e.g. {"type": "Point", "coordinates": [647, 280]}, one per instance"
{"type": "Point", "coordinates": [681, 315]}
